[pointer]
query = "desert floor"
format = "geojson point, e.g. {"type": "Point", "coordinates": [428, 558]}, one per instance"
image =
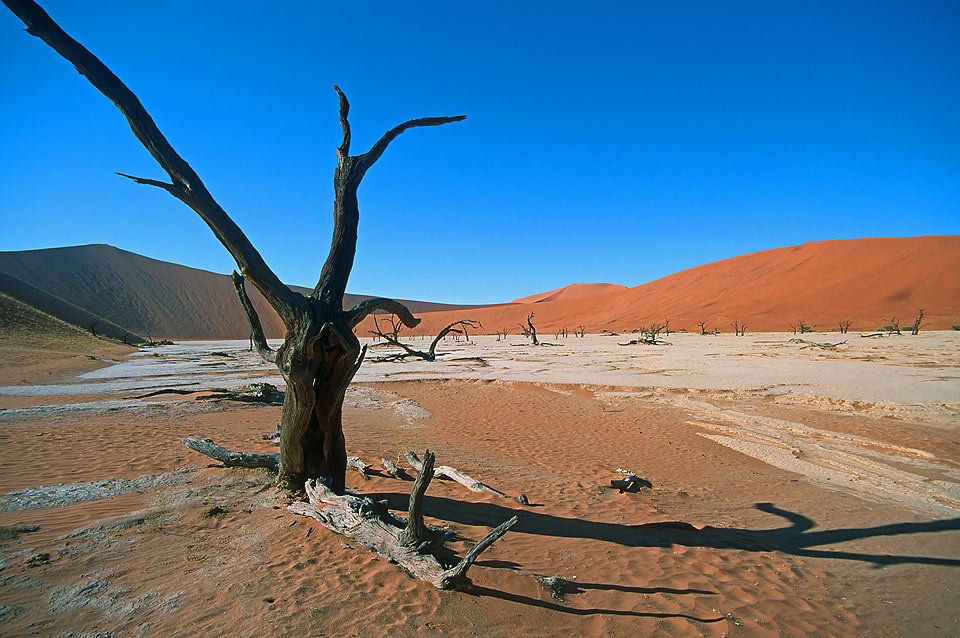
{"type": "Point", "coordinates": [792, 490]}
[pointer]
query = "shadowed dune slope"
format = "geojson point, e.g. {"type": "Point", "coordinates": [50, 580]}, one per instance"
{"type": "Point", "coordinates": [867, 281]}
{"type": "Point", "coordinates": [148, 296]}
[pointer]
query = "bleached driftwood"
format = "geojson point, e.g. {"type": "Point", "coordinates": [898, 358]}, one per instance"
{"type": "Point", "coordinates": [818, 344]}
{"type": "Point", "coordinates": [356, 463]}
{"type": "Point", "coordinates": [445, 471]}
{"type": "Point", "coordinates": [392, 469]}
{"type": "Point", "coordinates": [230, 458]}
{"type": "Point", "coordinates": [371, 525]}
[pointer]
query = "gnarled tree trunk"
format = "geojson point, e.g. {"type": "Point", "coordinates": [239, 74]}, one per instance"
{"type": "Point", "coordinates": [320, 354]}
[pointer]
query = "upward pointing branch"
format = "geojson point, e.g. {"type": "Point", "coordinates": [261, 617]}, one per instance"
{"type": "Point", "coordinates": [185, 184]}
{"type": "Point", "coordinates": [346, 215]}
{"type": "Point", "coordinates": [344, 151]}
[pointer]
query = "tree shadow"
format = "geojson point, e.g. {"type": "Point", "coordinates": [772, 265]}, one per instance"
{"type": "Point", "coordinates": [796, 538]}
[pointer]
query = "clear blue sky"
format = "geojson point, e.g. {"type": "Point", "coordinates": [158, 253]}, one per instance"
{"type": "Point", "coordinates": [615, 142]}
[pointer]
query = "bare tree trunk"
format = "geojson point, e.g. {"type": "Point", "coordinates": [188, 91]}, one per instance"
{"type": "Point", "coordinates": [320, 354]}
{"type": "Point", "coordinates": [529, 330]}
{"type": "Point", "coordinates": [915, 330]}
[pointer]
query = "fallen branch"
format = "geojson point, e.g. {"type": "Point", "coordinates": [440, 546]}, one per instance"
{"type": "Point", "coordinates": [816, 344]}
{"type": "Point", "coordinates": [393, 470]}
{"type": "Point", "coordinates": [445, 471]}
{"type": "Point", "coordinates": [171, 391]}
{"type": "Point", "coordinates": [368, 523]}
{"type": "Point", "coordinates": [257, 393]}
{"type": "Point", "coordinates": [356, 463]}
{"type": "Point", "coordinates": [231, 458]}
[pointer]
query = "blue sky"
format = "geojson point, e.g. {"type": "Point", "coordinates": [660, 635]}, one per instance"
{"type": "Point", "coordinates": [615, 142]}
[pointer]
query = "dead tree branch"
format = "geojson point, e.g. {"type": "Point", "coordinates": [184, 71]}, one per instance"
{"type": "Point", "coordinates": [649, 336]}
{"type": "Point", "coordinates": [915, 330]}
{"type": "Point", "coordinates": [529, 330]}
{"type": "Point", "coordinates": [253, 319]}
{"type": "Point", "coordinates": [371, 525]}
{"type": "Point", "coordinates": [820, 345]}
{"type": "Point", "coordinates": [392, 338]}
{"type": "Point", "coordinates": [447, 472]}
{"type": "Point", "coordinates": [230, 458]}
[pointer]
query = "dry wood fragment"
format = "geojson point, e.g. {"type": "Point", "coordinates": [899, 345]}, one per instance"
{"type": "Point", "coordinates": [392, 468]}
{"type": "Point", "coordinates": [231, 458]}
{"type": "Point", "coordinates": [363, 520]}
{"type": "Point", "coordinates": [356, 463]}
{"type": "Point", "coordinates": [445, 471]}
{"type": "Point", "coordinates": [816, 344]}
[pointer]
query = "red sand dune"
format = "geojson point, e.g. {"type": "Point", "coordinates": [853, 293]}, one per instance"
{"type": "Point", "coordinates": [867, 281]}
{"type": "Point", "coordinates": [571, 291]}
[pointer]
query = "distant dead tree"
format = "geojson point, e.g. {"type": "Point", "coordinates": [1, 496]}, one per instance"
{"type": "Point", "coordinates": [666, 328]}
{"type": "Point", "coordinates": [649, 335]}
{"type": "Point", "coordinates": [915, 330]}
{"type": "Point", "coordinates": [501, 334]}
{"type": "Point", "coordinates": [894, 326]}
{"type": "Point", "coordinates": [703, 327]}
{"type": "Point", "coordinates": [580, 330]}
{"type": "Point", "coordinates": [800, 327]}
{"type": "Point", "coordinates": [739, 329]}
{"type": "Point", "coordinates": [320, 354]}
{"type": "Point", "coordinates": [561, 332]}
{"type": "Point", "coordinates": [392, 338]}
{"type": "Point", "coordinates": [529, 330]}
{"type": "Point", "coordinates": [845, 326]}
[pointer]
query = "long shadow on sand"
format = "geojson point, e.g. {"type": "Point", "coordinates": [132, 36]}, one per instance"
{"type": "Point", "coordinates": [796, 538]}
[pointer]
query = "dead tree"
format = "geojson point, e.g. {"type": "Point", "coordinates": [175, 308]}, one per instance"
{"type": "Point", "coordinates": [320, 353]}
{"type": "Point", "coordinates": [666, 328]}
{"type": "Point", "coordinates": [529, 330]}
{"type": "Point", "coordinates": [580, 331]}
{"type": "Point", "coordinates": [894, 326]}
{"type": "Point", "coordinates": [561, 332]}
{"type": "Point", "coordinates": [501, 334]}
{"type": "Point", "coordinates": [915, 330]}
{"type": "Point", "coordinates": [845, 326]}
{"type": "Point", "coordinates": [739, 329]}
{"type": "Point", "coordinates": [649, 336]}
{"type": "Point", "coordinates": [703, 327]}
{"type": "Point", "coordinates": [801, 327]}
{"type": "Point", "coordinates": [457, 327]}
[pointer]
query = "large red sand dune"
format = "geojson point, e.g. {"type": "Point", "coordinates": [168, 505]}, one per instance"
{"type": "Point", "coordinates": [867, 281]}
{"type": "Point", "coordinates": [571, 291]}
